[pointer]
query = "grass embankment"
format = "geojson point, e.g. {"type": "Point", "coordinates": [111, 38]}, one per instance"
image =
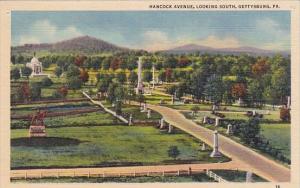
{"type": "Point", "coordinates": [166, 179]}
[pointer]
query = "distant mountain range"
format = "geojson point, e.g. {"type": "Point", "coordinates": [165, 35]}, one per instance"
{"type": "Point", "coordinates": [84, 44]}
{"type": "Point", "coordinates": [190, 48]}
{"type": "Point", "coordinates": [87, 44]}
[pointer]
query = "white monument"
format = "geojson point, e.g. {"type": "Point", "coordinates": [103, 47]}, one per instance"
{"type": "Point", "coordinates": [229, 129]}
{"type": "Point", "coordinates": [130, 120]}
{"type": "Point", "coordinates": [204, 119]}
{"type": "Point", "coordinates": [217, 123]}
{"type": "Point", "coordinates": [203, 148]}
{"type": "Point", "coordinates": [249, 177]}
{"type": "Point", "coordinates": [149, 114]}
{"type": "Point", "coordinates": [215, 152]}
{"type": "Point", "coordinates": [162, 123]}
{"type": "Point", "coordinates": [153, 77]}
{"type": "Point", "coordinates": [170, 128]}
{"type": "Point", "coordinates": [36, 66]}
{"type": "Point", "coordinates": [140, 88]}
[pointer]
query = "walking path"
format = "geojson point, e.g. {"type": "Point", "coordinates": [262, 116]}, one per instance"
{"type": "Point", "coordinates": [256, 163]}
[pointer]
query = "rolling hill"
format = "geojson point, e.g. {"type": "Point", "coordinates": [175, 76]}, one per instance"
{"type": "Point", "coordinates": [84, 44]}
{"type": "Point", "coordinates": [190, 48]}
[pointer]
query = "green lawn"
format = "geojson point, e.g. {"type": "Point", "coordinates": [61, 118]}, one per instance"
{"type": "Point", "coordinates": [279, 136]}
{"type": "Point", "coordinates": [104, 146]}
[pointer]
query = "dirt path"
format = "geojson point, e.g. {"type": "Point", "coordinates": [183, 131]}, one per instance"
{"type": "Point", "coordinates": [122, 171]}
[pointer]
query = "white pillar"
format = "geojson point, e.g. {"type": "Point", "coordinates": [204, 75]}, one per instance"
{"type": "Point", "coordinates": [149, 113]}
{"type": "Point", "coordinates": [130, 120]}
{"type": "Point", "coordinates": [253, 113]}
{"type": "Point", "coordinates": [162, 123]}
{"type": "Point", "coordinates": [153, 77]}
{"type": "Point", "coordinates": [203, 148]}
{"type": "Point", "coordinates": [145, 107]}
{"type": "Point", "coordinates": [217, 123]}
{"type": "Point", "coordinates": [139, 88]}
{"type": "Point", "coordinates": [215, 152]}
{"type": "Point", "coordinates": [172, 99]}
{"type": "Point", "coordinates": [229, 129]}
{"type": "Point", "coordinates": [204, 119]}
{"type": "Point", "coordinates": [249, 177]}
{"type": "Point", "coordinates": [170, 128]}
{"type": "Point", "coordinates": [288, 105]}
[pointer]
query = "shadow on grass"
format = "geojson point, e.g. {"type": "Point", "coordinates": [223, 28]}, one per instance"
{"type": "Point", "coordinates": [44, 141]}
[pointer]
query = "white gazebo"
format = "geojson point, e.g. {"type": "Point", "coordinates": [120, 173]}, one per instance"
{"type": "Point", "coordinates": [36, 66]}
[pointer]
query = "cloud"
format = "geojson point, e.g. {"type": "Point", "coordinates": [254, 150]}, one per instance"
{"type": "Point", "coordinates": [272, 35]}
{"type": "Point", "coordinates": [216, 42]}
{"type": "Point", "coordinates": [155, 40]}
{"type": "Point", "coordinates": [43, 31]}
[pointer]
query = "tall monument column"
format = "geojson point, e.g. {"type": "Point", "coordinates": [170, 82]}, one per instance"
{"type": "Point", "coordinates": [215, 152]}
{"type": "Point", "coordinates": [140, 87]}
{"type": "Point", "coordinates": [153, 77]}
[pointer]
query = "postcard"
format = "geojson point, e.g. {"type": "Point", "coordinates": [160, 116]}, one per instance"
{"type": "Point", "coordinates": [150, 93]}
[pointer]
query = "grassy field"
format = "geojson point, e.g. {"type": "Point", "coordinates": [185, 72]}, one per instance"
{"type": "Point", "coordinates": [104, 146]}
{"type": "Point", "coordinates": [279, 136]}
{"type": "Point", "coordinates": [166, 179]}
{"type": "Point", "coordinates": [277, 132]}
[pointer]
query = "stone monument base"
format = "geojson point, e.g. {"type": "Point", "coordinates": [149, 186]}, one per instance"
{"type": "Point", "coordinates": [37, 131]}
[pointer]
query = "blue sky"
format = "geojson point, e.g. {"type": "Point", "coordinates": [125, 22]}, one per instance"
{"type": "Point", "coordinates": [157, 30]}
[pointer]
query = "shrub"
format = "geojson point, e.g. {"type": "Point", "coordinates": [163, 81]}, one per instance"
{"type": "Point", "coordinates": [46, 82]}
{"type": "Point", "coordinates": [285, 114]}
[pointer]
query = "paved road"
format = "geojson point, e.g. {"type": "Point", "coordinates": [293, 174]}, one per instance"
{"type": "Point", "coordinates": [257, 163]}
{"type": "Point", "coordinates": [118, 171]}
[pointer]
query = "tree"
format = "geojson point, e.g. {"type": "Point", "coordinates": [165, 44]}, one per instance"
{"type": "Point", "coordinates": [74, 83]}
{"type": "Point", "coordinates": [121, 77]}
{"type": "Point", "coordinates": [13, 59]}
{"type": "Point", "coordinates": [20, 59]}
{"type": "Point", "coordinates": [106, 63]}
{"type": "Point", "coordinates": [239, 90]}
{"type": "Point", "coordinates": [147, 76]}
{"type": "Point", "coordinates": [72, 71]}
{"type": "Point", "coordinates": [140, 98]}
{"type": "Point", "coordinates": [250, 131]}
{"type": "Point", "coordinates": [46, 82]}
{"type": "Point", "coordinates": [168, 73]}
{"type": "Point", "coordinates": [133, 77]}
{"type": "Point", "coordinates": [26, 71]}
{"type": "Point", "coordinates": [15, 74]}
{"type": "Point", "coordinates": [195, 109]}
{"type": "Point", "coordinates": [35, 91]}
{"type": "Point", "coordinates": [214, 89]}
{"type": "Point", "coordinates": [115, 63]}
{"type": "Point", "coordinates": [285, 114]}
{"type": "Point", "coordinates": [63, 91]}
{"type": "Point", "coordinates": [84, 76]}
{"type": "Point", "coordinates": [173, 152]}
{"type": "Point", "coordinates": [58, 71]}
{"type": "Point", "coordinates": [104, 83]}
{"type": "Point", "coordinates": [260, 68]}
{"type": "Point", "coordinates": [79, 60]}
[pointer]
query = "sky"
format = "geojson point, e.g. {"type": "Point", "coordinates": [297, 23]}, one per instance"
{"type": "Point", "coordinates": [157, 30]}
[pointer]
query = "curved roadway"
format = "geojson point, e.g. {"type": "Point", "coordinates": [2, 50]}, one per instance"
{"type": "Point", "coordinates": [256, 163]}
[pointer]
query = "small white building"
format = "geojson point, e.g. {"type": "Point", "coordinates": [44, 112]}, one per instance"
{"type": "Point", "coordinates": [36, 66]}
